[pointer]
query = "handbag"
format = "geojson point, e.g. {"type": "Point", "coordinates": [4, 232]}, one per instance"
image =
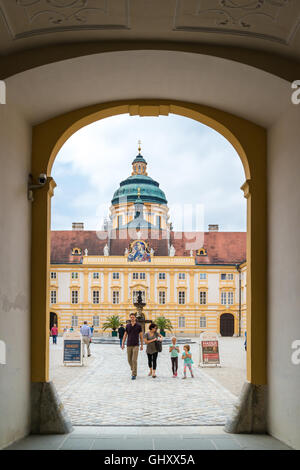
{"type": "Point", "coordinates": [158, 345]}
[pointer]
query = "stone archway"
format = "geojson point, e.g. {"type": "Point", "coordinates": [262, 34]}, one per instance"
{"type": "Point", "coordinates": [250, 142]}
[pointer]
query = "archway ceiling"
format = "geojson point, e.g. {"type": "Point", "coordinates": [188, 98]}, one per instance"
{"type": "Point", "coordinates": [44, 92]}
{"type": "Point", "coordinates": [262, 25]}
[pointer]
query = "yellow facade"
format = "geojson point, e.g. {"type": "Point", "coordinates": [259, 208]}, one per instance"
{"type": "Point", "coordinates": [106, 285]}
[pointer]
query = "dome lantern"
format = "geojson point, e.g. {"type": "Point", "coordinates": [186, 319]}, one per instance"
{"type": "Point", "coordinates": [139, 164]}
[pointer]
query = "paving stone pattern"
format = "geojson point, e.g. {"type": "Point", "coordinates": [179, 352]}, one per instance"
{"type": "Point", "coordinates": [102, 392]}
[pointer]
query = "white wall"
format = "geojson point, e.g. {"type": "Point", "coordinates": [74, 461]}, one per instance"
{"type": "Point", "coordinates": [15, 143]}
{"type": "Point", "coordinates": [284, 276]}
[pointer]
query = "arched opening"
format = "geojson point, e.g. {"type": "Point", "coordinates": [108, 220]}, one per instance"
{"type": "Point", "coordinates": [53, 320]}
{"type": "Point", "coordinates": [249, 141]}
{"type": "Point", "coordinates": [227, 324]}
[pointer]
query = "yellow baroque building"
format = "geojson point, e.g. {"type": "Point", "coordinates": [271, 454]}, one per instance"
{"type": "Point", "coordinates": [195, 279]}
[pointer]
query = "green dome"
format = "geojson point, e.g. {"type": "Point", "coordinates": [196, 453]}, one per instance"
{"type": "Point", "coordinates": [150, 191]}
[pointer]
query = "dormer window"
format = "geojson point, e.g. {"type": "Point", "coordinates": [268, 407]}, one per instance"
{"type": "Point", "coordinates": [202, 252]}
{"type": "Point", "coordinates": [76, 251]}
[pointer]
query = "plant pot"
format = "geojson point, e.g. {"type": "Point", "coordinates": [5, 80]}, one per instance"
{"type": "Point", "coordinates": [114, 333]}
{"type": "Point", "coordinates": [163, 333]}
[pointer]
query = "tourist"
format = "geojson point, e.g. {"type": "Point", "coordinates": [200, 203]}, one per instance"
{"type": "Point", "coordinates": [174, 350]}
{"type": "Point", "coordinates": [151, 338]}
{"type": "Point", "coordinates": [133, 333]}
{"type": "Point", "coordinates": [92, 330]}
{"type": "Point", "coordinates": [188, 361]}
{"type": "Point", "coordinates": [86, 337]}
{"type": "Point", "coordinates": [121, 332]}
{"type": "Point", "coordinates": [54, 333]}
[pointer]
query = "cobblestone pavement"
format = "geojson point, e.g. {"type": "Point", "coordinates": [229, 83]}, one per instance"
{"type": "Point", "coordinates": [102, 392]}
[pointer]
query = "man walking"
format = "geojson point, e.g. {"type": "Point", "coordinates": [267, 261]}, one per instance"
{"type": "Point", "coordinates": [86, 337]}
{"type": "Point", "coordinates": [121, 332]}
{"type": "Point", "coordinates": [54, 333]}
{"type": "Point", "coordinates": [133, 333]}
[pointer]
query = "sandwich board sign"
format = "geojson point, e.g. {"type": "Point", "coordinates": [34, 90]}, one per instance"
{"type": "Point", "coordinates": [209, 349]}
{"type": "Point", "coordinates": [72, 349]}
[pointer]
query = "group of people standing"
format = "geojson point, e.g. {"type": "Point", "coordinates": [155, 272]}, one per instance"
{"type": "Point", "coordinates": [134, 338]}
{"type": "Point", "coordinates": [133, 334]}
{"type": "Point", "coordinates": [86, 332]}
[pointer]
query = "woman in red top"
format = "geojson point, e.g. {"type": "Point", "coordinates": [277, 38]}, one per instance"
{"type": "Point", "coordinates": [54, 333]}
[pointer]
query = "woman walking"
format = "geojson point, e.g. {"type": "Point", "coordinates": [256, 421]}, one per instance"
{"type": "Point", "coordinates": [150, 339]}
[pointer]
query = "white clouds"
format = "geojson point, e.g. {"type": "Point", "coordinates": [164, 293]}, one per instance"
{"type": "Point", "coordinates": [192, 163]}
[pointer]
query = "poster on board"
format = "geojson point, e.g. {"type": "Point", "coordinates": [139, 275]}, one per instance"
{"type": "Point", "coordinates": [72, 348]}
{"type": "Point", "coordinates": [209, 349]}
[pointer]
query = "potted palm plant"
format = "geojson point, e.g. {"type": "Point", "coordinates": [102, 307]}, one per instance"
{"type": "Point", "coordinates": [164, 324]}
{"type": "Point", "coordinates": [113, 322]}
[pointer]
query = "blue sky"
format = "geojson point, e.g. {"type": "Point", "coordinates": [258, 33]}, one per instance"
{"type": "Point", "coordinates": [197, 168]}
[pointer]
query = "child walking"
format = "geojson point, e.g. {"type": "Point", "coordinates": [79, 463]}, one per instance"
{"type": "Point", "coordinates": [174, 350]}
{"type": "Point", "coordinates": [188, 361]}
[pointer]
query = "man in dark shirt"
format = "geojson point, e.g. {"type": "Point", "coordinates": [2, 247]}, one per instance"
{"type": "Point", "coordinates": [133, 333]}
{"type": "Point", "coordinates": [121, 332]}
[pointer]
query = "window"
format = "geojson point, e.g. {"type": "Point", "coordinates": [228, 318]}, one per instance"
{"type": "Point", "coordinates": [74, 296]}
{"type": "Point", "coordinates": [181, 275]}
{"type": "Point", "coordinates": [143, 276]}
{"type": "Point", "coordinates": [202, 276]}
{"type": "Point", "coordinates": [74, 275]}
{"type": "Point", "coordinates": [203, 297]}
{"type": "Point", "coordinates": [202, 322]}
{"type": "Point", "coordinates": [135, 275]}
{"type": "Point", "coordinates": [158, 221]}
{"type": "Point", "coordinates": [181, 322]}
{"type": "Point", "coordinates": [52, 275]}
{"type": "Point", "coordinates": [227, 298]}
{"type": "Point", "coordinates": [228, 277]}
{"type": "Point", "coordinates": [162, 276]}
{"type": "Point", "coordinates": [162, 297]}
{"type": "Point", "coordinates": [96, 275]}
{"type": "Point", "coordinates": [181, 297]}
{"type": "Point", "coordinates": [53, 296]}
{"type": "Point", "coordinates": [96, 297]}
{"type": "Point", "coordinates": [116, 275]}
{"type": "Point", "coordinates": [96, 320]}
{"type": "Point", "coordinates": [230, 298]}
{"type": "Point", "coordinates": [116, 297]}
{"type": "Point", "coordinates": [74, 320]}
{"type": "Point", "coordinates": [119, 221]}
{"type": "Point", "coordinates": [223, 298]}
{"type": "Point", "coordinates": [76, 251]}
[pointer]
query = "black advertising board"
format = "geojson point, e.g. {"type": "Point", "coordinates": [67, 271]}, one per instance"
{"type": "Point", "coordinates": [72, 350]}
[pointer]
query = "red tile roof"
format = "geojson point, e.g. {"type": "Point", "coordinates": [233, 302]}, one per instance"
{"type": "Point", "coordinates": [221, 247]}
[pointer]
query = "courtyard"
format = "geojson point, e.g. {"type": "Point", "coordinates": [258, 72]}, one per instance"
{"type": "Point", "coordinates": [101, 392]}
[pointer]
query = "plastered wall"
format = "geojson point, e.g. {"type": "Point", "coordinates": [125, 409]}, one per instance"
{"type": "Point", "coordinates": [15, 143]}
